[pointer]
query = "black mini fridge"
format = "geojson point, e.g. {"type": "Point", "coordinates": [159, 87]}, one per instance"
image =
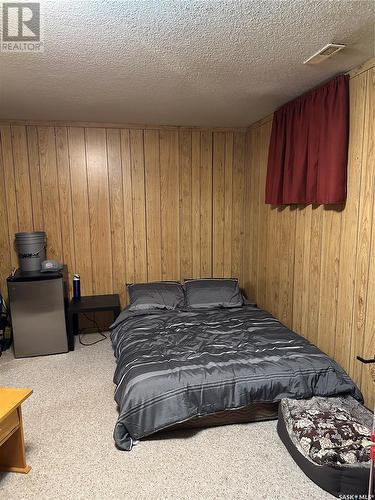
{"type": "Point", "coordinates": [38, 303]}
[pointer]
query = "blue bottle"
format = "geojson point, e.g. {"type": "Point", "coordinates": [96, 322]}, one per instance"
{"type": "Point", "coordinates": [76, 287]}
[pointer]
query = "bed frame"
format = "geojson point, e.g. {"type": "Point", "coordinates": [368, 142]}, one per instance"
{"type": "Point", "coordinates": [255, 412]}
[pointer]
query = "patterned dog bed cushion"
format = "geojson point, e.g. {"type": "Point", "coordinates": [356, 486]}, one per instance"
{"type": "Point", "coordinates": [325, 437]}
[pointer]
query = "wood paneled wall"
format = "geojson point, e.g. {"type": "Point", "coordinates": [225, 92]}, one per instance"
{"type": "Point", "coordinates": [142, 204]}
{"type": "Point", "coordinates": [314, 267]}
{"type": "Point", "coordinates": [125, 204]}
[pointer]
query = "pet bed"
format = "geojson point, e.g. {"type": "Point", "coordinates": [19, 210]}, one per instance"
{"type": "Point", "coordinates": [327, 437]}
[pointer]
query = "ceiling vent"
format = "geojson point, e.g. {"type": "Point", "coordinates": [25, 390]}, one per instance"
{"type": "Point", "coordinates": [323, 54]}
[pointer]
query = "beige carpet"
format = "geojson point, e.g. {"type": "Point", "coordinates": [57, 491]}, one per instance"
{"type": "Point", "coordinates": [68, 426]}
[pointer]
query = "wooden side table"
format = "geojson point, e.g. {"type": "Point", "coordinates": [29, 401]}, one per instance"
{"type": "Point", "coordinates": [90, 304]}
{"type": "Point", "coordinates": [12, 444]}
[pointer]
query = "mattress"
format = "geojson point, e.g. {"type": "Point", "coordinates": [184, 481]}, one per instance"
{"type": "Point", "coordinates": [325, 438]}
{"type": "Point", "coordinates": [174, 366]}
{"type": "Point", "coordinates": [255, 412]}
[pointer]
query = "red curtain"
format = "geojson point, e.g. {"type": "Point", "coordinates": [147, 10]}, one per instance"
{"type": "Point", "coordinates": [308, 152]}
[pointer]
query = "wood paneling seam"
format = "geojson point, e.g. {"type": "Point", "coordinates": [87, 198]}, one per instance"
{"type": "Point", "coordinates": [88, 209]}
{"type": "Point", "coordinates": [58, 191]}
{"type": "Point", "coordinates": [359, 211]}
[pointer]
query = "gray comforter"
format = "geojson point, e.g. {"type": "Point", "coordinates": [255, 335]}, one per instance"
{"type": "Point", "coordinates": [175, 365]}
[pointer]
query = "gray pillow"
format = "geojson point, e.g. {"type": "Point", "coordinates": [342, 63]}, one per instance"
{"type": "Point", "coordinates": [158, 295]}
{"type": "Point", "coordinates": [213, 292]}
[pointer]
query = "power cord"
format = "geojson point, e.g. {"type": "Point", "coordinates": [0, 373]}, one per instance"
{"type": "Point", "coordinates": [99, 331]}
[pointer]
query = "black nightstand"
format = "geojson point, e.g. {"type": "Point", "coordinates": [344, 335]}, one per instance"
{"type": "Point", "coordinates": [89, 304]}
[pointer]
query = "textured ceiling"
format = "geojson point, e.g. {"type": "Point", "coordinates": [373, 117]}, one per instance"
{"type": "Point", "coordinates": [214, 63]}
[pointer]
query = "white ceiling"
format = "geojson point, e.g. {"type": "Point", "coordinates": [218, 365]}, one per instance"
{"type": "Point", "coordinates": [209, 63]}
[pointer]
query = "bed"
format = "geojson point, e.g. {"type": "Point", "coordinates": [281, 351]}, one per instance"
{"type": "Point", "coordinates": [186, 365]}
